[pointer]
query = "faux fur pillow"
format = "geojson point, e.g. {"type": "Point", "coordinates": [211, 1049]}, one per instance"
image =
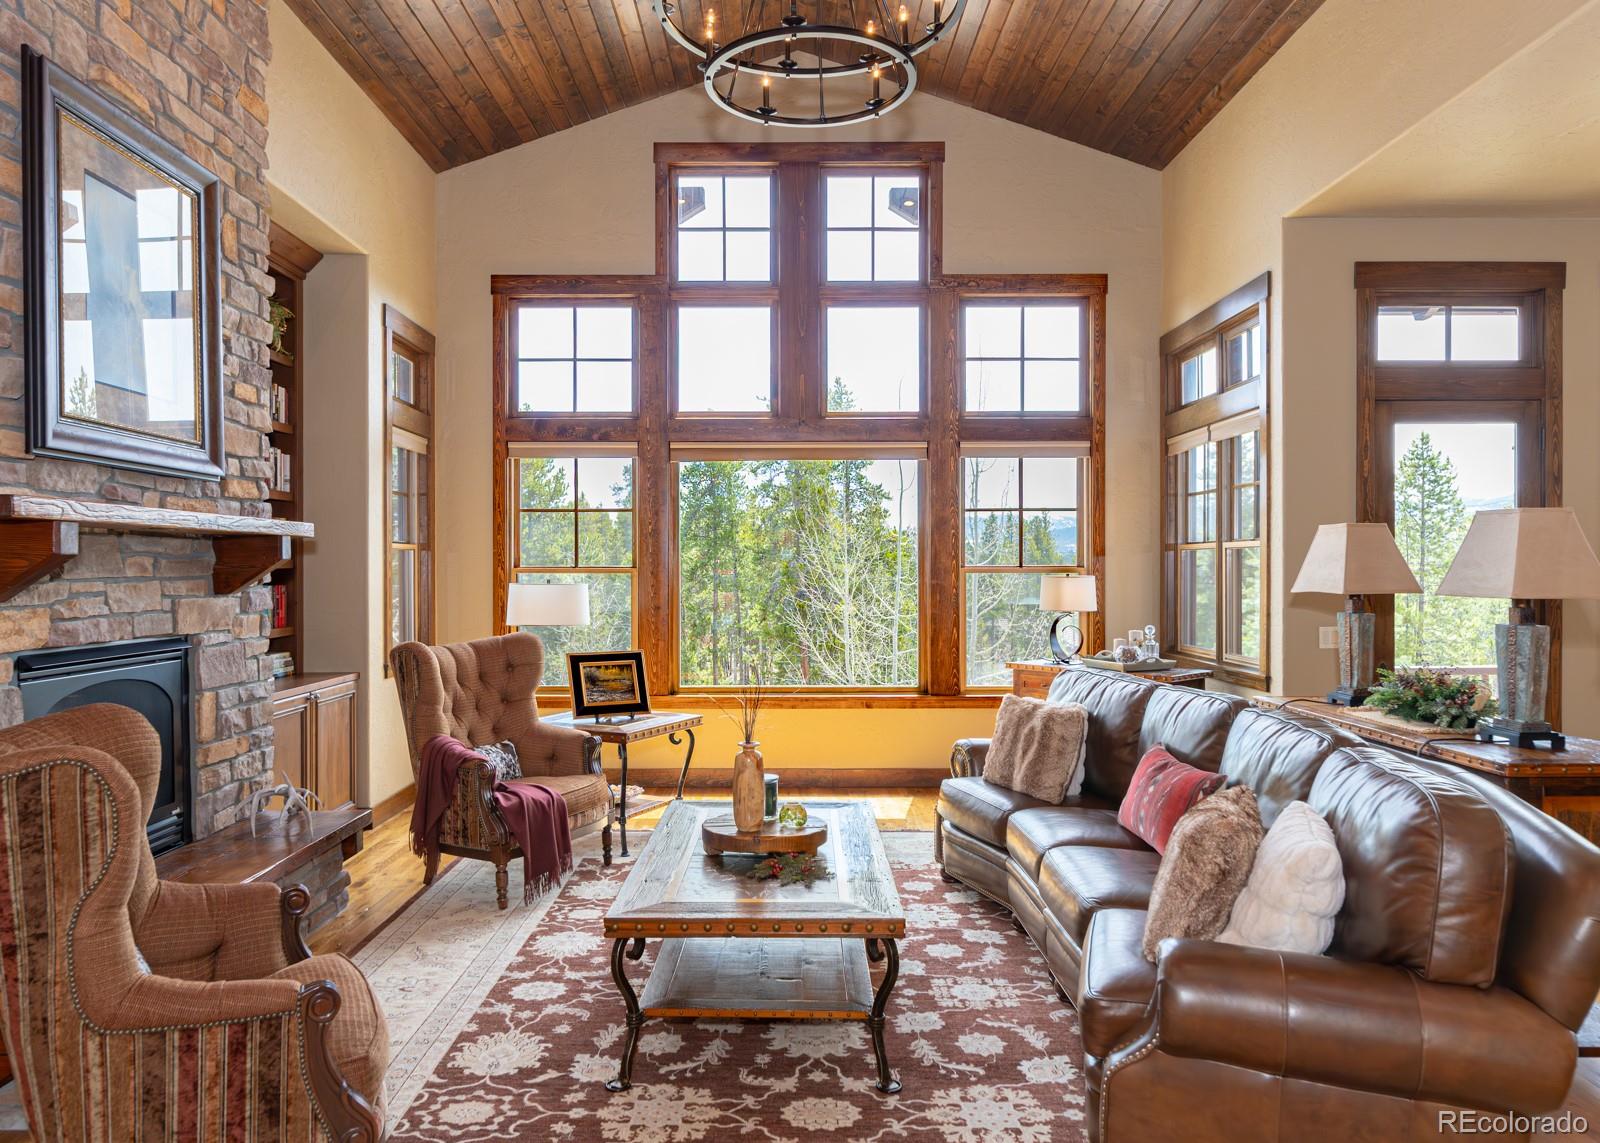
{"type": "Point", "coordinates": [1037, 748]}
{"type": "Point", "coordinates": [1206, 866]}
{"type": "Point", "coordinates": [1295, 889]}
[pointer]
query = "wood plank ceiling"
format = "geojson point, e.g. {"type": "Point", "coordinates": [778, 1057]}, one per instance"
{"type": "Point", "coordinates": [462, 79]}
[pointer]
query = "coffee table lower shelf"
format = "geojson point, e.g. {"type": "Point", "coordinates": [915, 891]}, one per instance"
{"type": "Point", "coordinates": [759, 978]}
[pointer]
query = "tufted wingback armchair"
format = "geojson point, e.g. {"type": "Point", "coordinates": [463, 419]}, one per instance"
{"type": "Point", "coordinates": [480, 693]}
{"type": "Point", "coordinates": [139, 1008]}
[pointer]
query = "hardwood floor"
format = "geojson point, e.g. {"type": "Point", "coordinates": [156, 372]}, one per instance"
{"type": "Point", "coordinates": [385, 875]}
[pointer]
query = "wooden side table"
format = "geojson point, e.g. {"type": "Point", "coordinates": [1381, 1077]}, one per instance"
{"type": "Point", "coordinates": [1031, 678]}
{"type": "Point", "coordinates": [636, 728]}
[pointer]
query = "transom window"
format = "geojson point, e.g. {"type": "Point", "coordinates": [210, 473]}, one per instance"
{"type": "Point", "coordinates": [575, 359]}
{"type": "Point", "coordinates": [1021, 358]}
{"type": "Point", "coordinates": [1425, 332]}
{"type": "Point", "coordinates": [797, 445]}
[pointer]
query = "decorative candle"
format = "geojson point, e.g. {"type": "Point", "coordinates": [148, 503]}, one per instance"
{"type": "Point", "coordinates": [905, 24]}
{"type": "Point", "coordinates": [771, 810]}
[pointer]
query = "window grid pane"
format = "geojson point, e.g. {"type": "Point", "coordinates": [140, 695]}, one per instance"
{"type": "Point", "coordinates": [575, 358]}
{"type": "Point", "coordinates": [874, 359]}
{"type": "Point", "coordinates": [1023, 357]}
{"type": "Point", "coordinates": [1021, 513]}
{"type": "Point", "coordinates": [874, 227]}
{"type": "Point", "coordinates": [724, 228]}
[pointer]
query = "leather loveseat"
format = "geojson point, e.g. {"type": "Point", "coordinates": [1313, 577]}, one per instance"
{"type": "Point", "coordinates": [1464, 959]}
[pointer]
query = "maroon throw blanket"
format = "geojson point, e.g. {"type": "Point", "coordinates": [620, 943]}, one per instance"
{"type": "Point", "coordinates": [536, 815]}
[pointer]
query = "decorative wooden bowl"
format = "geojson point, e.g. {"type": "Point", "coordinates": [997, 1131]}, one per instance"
{"type": "Point", "coordinates": [720, 835]}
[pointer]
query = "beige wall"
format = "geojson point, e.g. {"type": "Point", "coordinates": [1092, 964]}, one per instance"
{"type": "Point", "coordinates": [582, 201]}
{"type": "Point", "coordinates": [1336, 94]}
{"type": "Point", "coordinates": [344, 180]}
{"type": "Point", "coordinates": [1319, 354]}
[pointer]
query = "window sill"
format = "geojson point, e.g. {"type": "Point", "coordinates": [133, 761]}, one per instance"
{"type": "Point", "coordinates": [1233, 676]}
{"type": "Point", "coordinates": [702, 701]}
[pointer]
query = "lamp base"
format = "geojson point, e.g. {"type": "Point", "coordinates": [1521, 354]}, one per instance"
{"type": "Point", "coordinates": [1062, 655]}
{"type": "Point", "coordinates": [1523, 735]}
{"type": "Point", "coordinates": [1348, 696]}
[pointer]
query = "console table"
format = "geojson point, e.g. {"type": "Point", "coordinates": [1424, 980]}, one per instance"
{"type": "Point", "coordinates": [1563, 783]}
{"type": "Point", "coordinates": [1031, 678]}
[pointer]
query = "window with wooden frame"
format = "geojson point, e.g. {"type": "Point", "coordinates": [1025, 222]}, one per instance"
{"type": "Point", "coordinates": [1458, 369]}
{"type": "Point", "coordinates": [408, 433]}
{"type": "Point", "coordinates": [798, 427]}
{"type": "Point", "coordinates": [1213, 569]}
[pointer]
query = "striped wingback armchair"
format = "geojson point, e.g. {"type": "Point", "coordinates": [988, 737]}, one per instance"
{"type": "Point", "coordinates": [481, 693]}
{"type": "Point", "coordinates": [139, 1008]}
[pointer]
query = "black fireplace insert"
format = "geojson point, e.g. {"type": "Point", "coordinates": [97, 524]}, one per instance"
{"type": "Point", "coordinates": [150, 676]}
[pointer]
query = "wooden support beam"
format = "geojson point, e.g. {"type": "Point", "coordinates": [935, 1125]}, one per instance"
{"type": "Point", "coordinates": [241, 560]}
{"type": "Point", "coordinates": [30, 550]}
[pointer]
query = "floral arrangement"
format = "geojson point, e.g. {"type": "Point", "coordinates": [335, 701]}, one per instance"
{"type": "Point", "coordinates": [789, 868]}
{"type": "Point", "coordinates": [1424, 694]}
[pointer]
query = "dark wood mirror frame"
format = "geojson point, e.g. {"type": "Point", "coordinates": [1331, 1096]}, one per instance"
{"type": "Point", "coordinates": [45, 89]}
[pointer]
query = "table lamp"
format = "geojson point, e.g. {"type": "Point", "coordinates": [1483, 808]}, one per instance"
{"type": "Point", "coordinates": [1355, 561]}
{"type": "Point", "coordinates": [1071, 594]}
{"type": "Point", "coordinates": [1523, 554]}
{"type": "Point", "coordinates": [547, 605]}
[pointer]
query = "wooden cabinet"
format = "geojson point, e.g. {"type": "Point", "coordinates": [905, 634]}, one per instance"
{"type": "Point", "coordinates": [318, 736]}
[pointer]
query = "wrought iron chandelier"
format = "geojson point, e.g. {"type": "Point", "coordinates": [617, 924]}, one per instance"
{"type": "Point", "coordinates": [825, 74]}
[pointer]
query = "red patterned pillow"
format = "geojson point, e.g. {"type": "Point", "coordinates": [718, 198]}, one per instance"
{"type": "Point", "coordinates": [1161, 791]}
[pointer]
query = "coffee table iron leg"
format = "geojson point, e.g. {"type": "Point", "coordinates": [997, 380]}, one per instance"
{"type": "Point", "coordinates": [622, 796]}
{"type": "Point", "coordinates": [890, 951]}
{"type": "Point", "coordinates": [687, 758]}
{"type": "Point", "coordinates": [624, 1080]}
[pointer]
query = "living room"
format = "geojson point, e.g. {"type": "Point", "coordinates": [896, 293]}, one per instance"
{"type": "Point", "coordinates": [1056, 602]}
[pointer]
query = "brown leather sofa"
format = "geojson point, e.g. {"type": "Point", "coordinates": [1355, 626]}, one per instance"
{"type": "Point", "coordinates": [1466, 955]}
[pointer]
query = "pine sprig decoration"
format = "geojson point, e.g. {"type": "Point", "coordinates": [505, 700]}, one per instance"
{"type": "Point", "coordinates": [789, 868]}
{"type": "Point", "coordinates": [1426, 694]}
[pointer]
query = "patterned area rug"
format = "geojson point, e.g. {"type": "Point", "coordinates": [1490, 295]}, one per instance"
{"type": "Point", "coordinates": [505, 1026]}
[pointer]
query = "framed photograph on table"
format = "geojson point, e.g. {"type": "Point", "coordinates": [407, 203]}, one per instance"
{"type": "Point", "coordinates": [122, 251]}
{"type": "Point", "coordinates": [608, 684]}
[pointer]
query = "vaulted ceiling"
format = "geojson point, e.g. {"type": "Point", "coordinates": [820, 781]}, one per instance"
{"type": "Point", "coordinates": [461, 79]}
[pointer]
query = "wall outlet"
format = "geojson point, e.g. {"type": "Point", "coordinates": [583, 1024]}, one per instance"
{"type": "Point", "coordinates": [1327, 638]}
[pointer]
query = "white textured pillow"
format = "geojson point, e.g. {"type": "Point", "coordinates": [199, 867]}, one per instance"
{"type": "Point", "coordinates": [1295, 889]}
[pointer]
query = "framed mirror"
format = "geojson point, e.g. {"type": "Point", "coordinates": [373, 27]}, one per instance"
{"type": "Point", "coordinates": [122, 244]}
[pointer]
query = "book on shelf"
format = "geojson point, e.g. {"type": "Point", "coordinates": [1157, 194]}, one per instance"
{"type": "Point", "coordinates": [281, 663]}
{"type": "Point", "coordinates": [280, 605]}
{"type": "Point", "coordinates": [281, 463]}
{"type": "Point", "coordinates": [280, 403]}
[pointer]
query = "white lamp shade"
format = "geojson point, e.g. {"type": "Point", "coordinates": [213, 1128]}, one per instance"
{"type": "Point", "coordinates": [1067, 593]}
{"type": "Point", "coordinates": [1524, 553]}
{"type": "Point", "coordinates": [547, 605]}
{"type": "Point", "coordinates": [1355, 559]}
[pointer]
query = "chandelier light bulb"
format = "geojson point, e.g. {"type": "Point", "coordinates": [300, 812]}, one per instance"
{"type": "Point", "coordinates": [872, 28]}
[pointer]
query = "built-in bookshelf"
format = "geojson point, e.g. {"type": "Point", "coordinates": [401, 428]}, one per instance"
{"type": "Point", "coordinates": [289, 261]}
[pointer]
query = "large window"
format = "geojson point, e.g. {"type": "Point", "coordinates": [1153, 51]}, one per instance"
{"type": "Point", "coordinates": [805, 403]}
{"type": "Point", "coordinates": [574, 524]}
{"type": "Point", "coordinates": [1020, 521]}
{"type": "Point", "coordinates": [408, 575]}
{"type": "Point", "coordinates": [1214, 600]}
{"type": "Point", "coordinates": [1459, 381]}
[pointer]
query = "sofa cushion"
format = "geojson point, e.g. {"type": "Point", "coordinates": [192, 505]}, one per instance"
{"type": "Point", "coordinates": [1077, 880]}
{"type": "Point", "coordinates": [1191, 723]}
{"type": "Point", "coordinates": [587, 796]}
{"type": "Point", "coordinates": [1115, 983]}
{"type": "Point", "coordinates": [1115, 703]}
{"type": "Point", "coordinates": [1277, 753]}
{"type": "Point", "coordinates": [1161, 792]}
{"type": "Point", "coordinates": [1204, 869]}
{"type": "Point", "coordinates": [1427, 866]}
{"type": "Point", "coordinates": [1295, 888]}
{"type": "Point", "coordinates": [1032, 833]}
{"type": "Point", "coordinates": [1037, 748]}
{"type": "Point", "coordinates": [981, 808]}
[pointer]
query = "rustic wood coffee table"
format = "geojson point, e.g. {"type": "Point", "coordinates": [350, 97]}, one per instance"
{"type": "Point", "coordinates": [737, 948]}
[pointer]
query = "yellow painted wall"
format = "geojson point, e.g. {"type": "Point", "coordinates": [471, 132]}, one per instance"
{"type": "Point", "coordinates": [1358, 76]}
{"type": "Point", "coordinates": [582, 201]}
{"type": "Point", "coordinates": [343, 179]}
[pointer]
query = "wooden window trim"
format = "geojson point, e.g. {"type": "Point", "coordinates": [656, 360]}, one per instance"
{"type": "Point", "coordinates": [798, 417]}
{"type": "Point", "coordinates": [1528, 392]}
{"type": "Point", "coordinates": [415, 418]}
{"type": "Point", "coordinates": [1216, 418]}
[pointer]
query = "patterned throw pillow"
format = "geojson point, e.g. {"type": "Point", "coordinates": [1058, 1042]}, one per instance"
{"type": "Point", "coordinates": [1295, 889]}
{"type": "Point", "coordinates": [1162, 791]}
{"type": "Point", "coordinates": [1204, 870]}
{"type": "Point", "coordinates": [1037, 748]}
{"type": "Point", "coordinates": [502, 757]}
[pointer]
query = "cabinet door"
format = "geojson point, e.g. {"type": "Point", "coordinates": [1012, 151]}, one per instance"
{"type": "Point", "coordinates": [292, 745]}
{"type": "Point", "coordinates": [336, 745]}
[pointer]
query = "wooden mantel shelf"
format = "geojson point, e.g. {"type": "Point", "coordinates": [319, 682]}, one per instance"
{"type": "Point", "coordinates": [39, 534]}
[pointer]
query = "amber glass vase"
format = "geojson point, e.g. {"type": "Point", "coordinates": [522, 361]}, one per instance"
{"type": "Point", "coordinates": [749, 793]}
